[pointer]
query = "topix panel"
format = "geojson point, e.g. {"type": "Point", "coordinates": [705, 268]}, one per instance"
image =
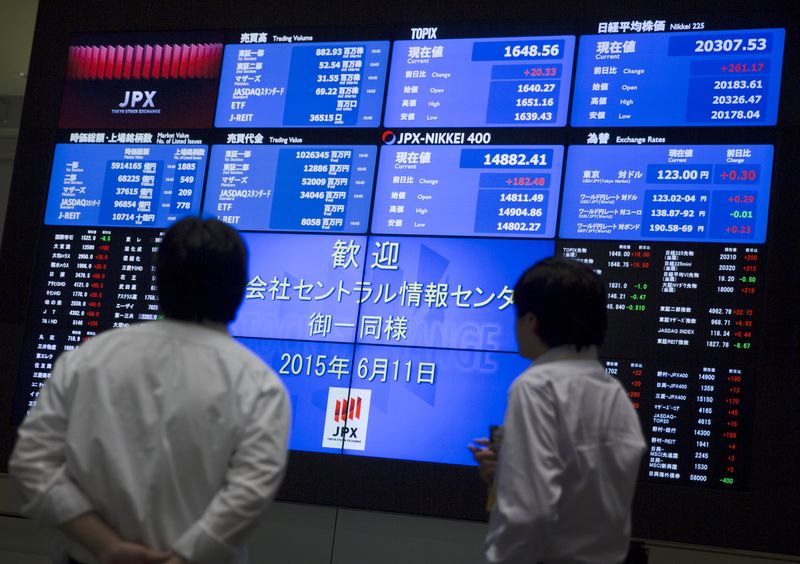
{"type": "Point", "coordinates": [499, 82]}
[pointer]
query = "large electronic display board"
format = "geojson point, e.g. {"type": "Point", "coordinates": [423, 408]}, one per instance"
{"type": "Point", "coordinates": [392, 180]}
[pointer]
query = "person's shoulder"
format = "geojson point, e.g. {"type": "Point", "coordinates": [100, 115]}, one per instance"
{"type": "Point", "coordinates": [249, 366]}
{"type": "Point", "coordinates": [106, 339]}
{"type": "Point", "coordinates": [564, 373]}
{"type": "Point", "coordinates": [540, 374]}
{"type": "Point", "coordinates": [249, 361]}
{"type": "Point", "coordinates": [247, 370]}
{"type": "Point", "coordinates": [532, 378]}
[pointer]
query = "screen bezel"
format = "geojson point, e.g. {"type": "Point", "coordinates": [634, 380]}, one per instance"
{"type": "Point", "coordinates": [763, 518]}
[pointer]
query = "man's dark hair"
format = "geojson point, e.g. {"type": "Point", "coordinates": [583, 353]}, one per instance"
{"type": "Point", "coordinates": [568, 300]}
{"type": "Point", "coordinates": [201, 269]}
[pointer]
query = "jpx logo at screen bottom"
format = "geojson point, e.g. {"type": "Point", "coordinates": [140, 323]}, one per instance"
{"type": "Point", "coordinates": [346, 418]}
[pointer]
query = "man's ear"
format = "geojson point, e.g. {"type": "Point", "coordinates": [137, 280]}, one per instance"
{"type": "Point", "coordinates": [535, 325]}
{"type": "Point", "coordinates": [531, 323]}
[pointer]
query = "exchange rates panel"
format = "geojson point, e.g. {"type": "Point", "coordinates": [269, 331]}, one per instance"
{"type": "Point", "coordinates": [708, 78]}
{"type": "Point", "coordinates": [302, 85]}
{"type": "Point", "coordinates": [123, 185]}
{"type": "Point", "coordinates": [494, 191]}
{"type": "Point", "coordinates": [308, 188]}
{"type": "Point", "coordinates": [706, 193]}
{"type": "Point", "coordinates": [503, 82]}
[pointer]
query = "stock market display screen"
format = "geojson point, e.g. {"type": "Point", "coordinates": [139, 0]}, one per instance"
{"type": "Point", "coordinates": [392, 185]}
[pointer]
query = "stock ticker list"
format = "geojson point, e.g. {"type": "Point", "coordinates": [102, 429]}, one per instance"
{"type": "Point", "coordinates": [693, 310]}
{"type": "Point", "coordinates": [391, 266]}
{"type": "Point", "coordinates": [88, 280]}
{"type": "Point", "coordinates": [677, 233]}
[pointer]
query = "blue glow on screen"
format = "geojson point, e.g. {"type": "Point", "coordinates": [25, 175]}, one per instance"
{"type": "Point", "coordinates": [450, 293]}
{"type": "Point", "coordinates": [442, 398]}
{"type": "Point", "coordinates": [307, 369]}
{"type": "Point", "coordinates": [301, 287]}
{"type": "Point", "coordinates": [408, 332]}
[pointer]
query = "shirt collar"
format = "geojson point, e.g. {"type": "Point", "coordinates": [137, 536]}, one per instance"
{"type": "Point", "coordinates": [210, 325]}
{"type": "Point", "coordinates": [567, 352]}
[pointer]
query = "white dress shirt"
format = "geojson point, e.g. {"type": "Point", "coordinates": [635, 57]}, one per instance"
{"type": "Point", "coordinates": [567, 465]}
{"type": "Point", "coordinates": [171, 431]}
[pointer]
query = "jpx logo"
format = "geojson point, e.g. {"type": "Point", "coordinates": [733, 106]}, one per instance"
{"type": "Point", "coordinates": [346, 418]}
{"type": "Point", "coordinates": [340, 414]}
{"type": "Point", "coordinates": [133, 97]}
{"type": "Point", "coordinates": [409, 138]}
{"type": "Point", "coordinates": [345, 411]}
{"type": "Point", "coordinates": [345, 431]}
{"type": "Point", "coordinates": [423, 32]}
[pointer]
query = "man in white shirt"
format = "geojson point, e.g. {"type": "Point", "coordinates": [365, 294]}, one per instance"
{"type": "Point", "coordinates": [164, 441]}
{"type": "Point", "coordinates": [572, 444]}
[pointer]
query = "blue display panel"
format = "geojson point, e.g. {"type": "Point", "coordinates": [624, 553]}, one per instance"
{"type": "Point", "coordinates": [502, 81]}
{"type": "Point", "coordinates": [302, 85]}
{"type": "Point", "coordinates": [308, 370]}
{"type": "Point", "coordinates": [302, 287]}
{"type": "Point", "coordinates": [495, 191]}
{"type": "Point", "coordinates": [704, 193]}
{"type": "Point", "coordinates": [451, 293]}
{"type": "Point", "coordinates": [444, 399]}
{"type": "Point", "coordinates": [125, 185]}
{"type": "Point", "coordinates": [396, 392]}
{"type": "Point", "coordinates": [712, 78]}
{"type": "Point", "coordinates": [269, 187]}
